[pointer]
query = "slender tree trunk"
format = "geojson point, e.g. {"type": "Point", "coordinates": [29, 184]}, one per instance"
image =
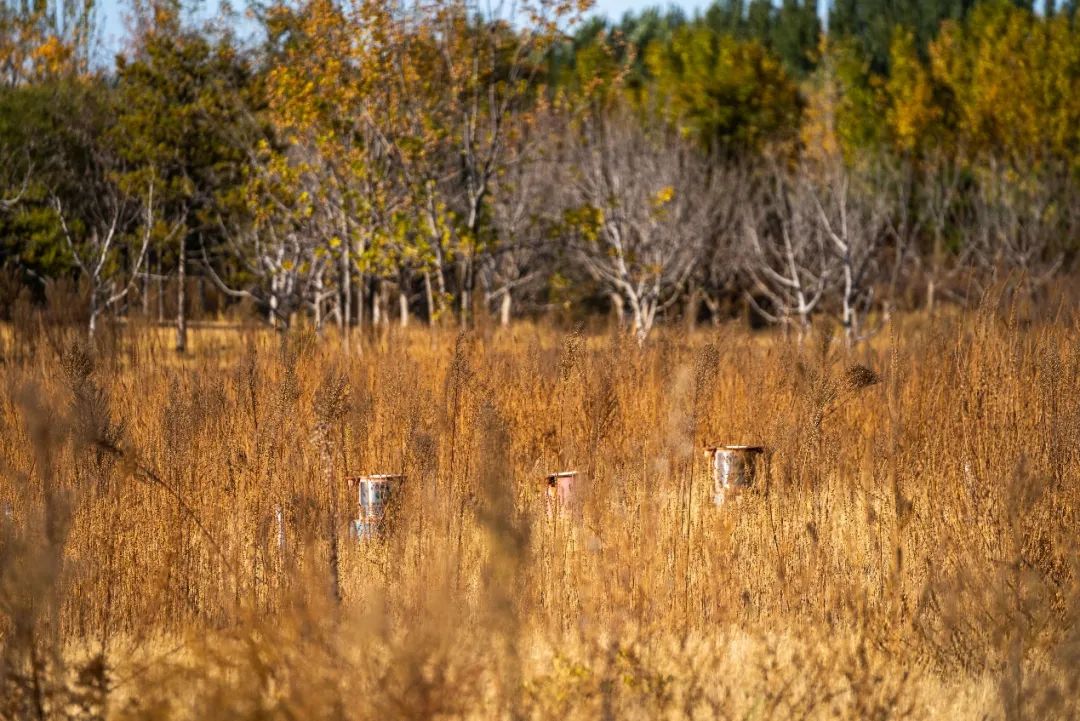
{"type": "Point", "coordinates": [335, 309]}
{"type": "Point", "coordinates": [804, 325]}
{"type": "Point", "coordinates": [272, 314]}
{"type": "Point", "coordinates": [693, 298]}
{"type": "Point", "coordinates": [848, 317]}
{"type": "Point", "coordinates": [639, 323]}
{"type": "Point", "coordinates": [428, 296]}
{"type": "Point", "coordinates": [713, 306]}
{"type": "Point", "coordinates": [440, 275]}
{"type": "Point", "coordinates": [361, 306]}
{"type": "Point", "coordinates": [93, 314]}
{"type": "Point", "coordinates": [617, 306]}
{"type": "Point", "coordinates": [440, 279]}
{"type": "Point", "coordinates": [181, 298]}
{"type": "Point", "coordinates": [358, 312]}
{"type": "Point", "coordinates": [345, 318]}
{"type": "Point", "coordinates": [403, 302]}
{"type": "Point", "coordinates": [376, 303]}
{"type": "Point", "coordinates": [504, 309]}
{"type": "Point", "coordinates": [160, 294]}
{"type": "Point", "coordinates": [644, 317]}
{"type": "Point", "coordinates": [466, 291]}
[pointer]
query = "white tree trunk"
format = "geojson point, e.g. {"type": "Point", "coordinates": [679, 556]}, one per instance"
{"type": "Point", "coordinates": [429, 296]}
{"type": "Point", "coordinates": [93, 314]}
{"type": "Point", "coordinates": [504, 309]}
{"type": "Point", "coordinates": [273, 313]}
{"type": "Point", "coordinates": [640, 331]}
{"type": "Point", "coordinates": [181, 315]}
{"type": "Point", "coordinates": [618, 307]}
{"type": "Point", "coordinates": [376, 304]}
{"type": "Point", "coordinates": [345, 317]}
{"type": "Point", "coordinates": [848, 317]}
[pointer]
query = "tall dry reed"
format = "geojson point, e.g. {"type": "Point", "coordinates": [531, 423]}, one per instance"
{"type": "Point", "coordinates": [174, 544]}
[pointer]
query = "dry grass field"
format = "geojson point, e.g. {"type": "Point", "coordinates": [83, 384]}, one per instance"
{"type": "Point", "coordinates": [911, 551]}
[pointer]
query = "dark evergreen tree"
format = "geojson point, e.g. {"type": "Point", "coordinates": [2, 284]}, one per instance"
{"type": "Point", "coordinates": [181, 101]}
{"type": "Point", "coordinates": [795, 35]}
{"type": "Point", "coordinates": [871, 23]}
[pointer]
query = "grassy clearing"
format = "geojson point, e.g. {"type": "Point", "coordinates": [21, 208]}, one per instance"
{"type": "Point", "coordinates": [911, 552]}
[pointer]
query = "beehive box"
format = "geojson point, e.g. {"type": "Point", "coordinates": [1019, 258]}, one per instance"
{"type": "Point", "coordinates": [733, 469]}
{"type": "Point", "coordinates": [373, 494]}
{"type": "Point", "coordinates": [561, 489]}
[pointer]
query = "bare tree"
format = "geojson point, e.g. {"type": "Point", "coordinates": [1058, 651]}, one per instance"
{"type": "Point", "coordinates": [1017, 223]}
{"type": "Point", "coordinates": [718, 270]}
{"type": "Point", "coordinates": [283, 255]}
{"type": "Point", "coordinates": [516, 264]}
{"type": "Point", "coordinates": [461, 75]}
{"type": "Point", "coordinates": [519, 258]}
{"type": "Point", "coordinates": [279, 269]}
{"type": "Point", "coordinates": [896, 184]}
{"type": "Point", "coordinates": [852, 212]}
{"type": "Point", "coordinates": [639, 207]}
{"type": "Point", "coordinates": [100, 247]}
{"type": "Point", "coordinates": [785, 255]}
{"type": "Point", "coordinates": [948, 252]}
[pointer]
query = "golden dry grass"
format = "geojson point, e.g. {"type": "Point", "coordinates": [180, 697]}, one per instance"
{"type": "Point", "coordinates": [910, 553]}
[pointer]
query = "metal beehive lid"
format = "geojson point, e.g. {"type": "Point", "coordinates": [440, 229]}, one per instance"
{"type": "Point", "coordinates": [375, 478]}
{"type": "Point", "coordinates": [710, 450]}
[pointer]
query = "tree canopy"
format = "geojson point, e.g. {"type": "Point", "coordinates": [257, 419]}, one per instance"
{"type": "Point", "coordinates": [358, 149]}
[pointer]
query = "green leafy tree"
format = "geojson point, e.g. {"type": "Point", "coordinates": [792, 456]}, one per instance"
{"type": "Point", "coordinates": [96, 216]}
{"type": "Point", "coordinates": [45, 40]}
{"type": "Point", "coordinates": [1013, 83]}
{"type": "Point", "coordinates": [732, 95]}
{"type": "Point", "coordinates": [31, 118]}
{"type": "Point", "coordinates": [52, 133]}
{"type": "Point", "coordinates": [180, 99]}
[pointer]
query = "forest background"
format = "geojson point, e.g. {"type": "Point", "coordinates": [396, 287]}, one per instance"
{"type": "Point", "coordinates": [174, 527]}
{"type": "Point", "coordinates": [361, 163]}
